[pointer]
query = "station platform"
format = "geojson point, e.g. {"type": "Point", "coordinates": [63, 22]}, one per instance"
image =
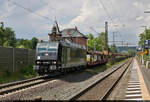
{"type": "Point", "coordinates": [137, 88]}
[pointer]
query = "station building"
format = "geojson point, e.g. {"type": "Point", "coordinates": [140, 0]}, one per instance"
{"type": "Point", "coordinates": [72, 34]}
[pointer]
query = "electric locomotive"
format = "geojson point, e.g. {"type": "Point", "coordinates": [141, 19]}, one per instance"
{"type": "Point", "coordinates": [59, 56]}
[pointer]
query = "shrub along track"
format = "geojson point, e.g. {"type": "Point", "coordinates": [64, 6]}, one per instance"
{"type": "Point", "coordinates": [101, 89]}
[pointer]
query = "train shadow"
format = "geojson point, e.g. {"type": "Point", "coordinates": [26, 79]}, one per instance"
{"type": "Point", "coordinates": [84, 74]}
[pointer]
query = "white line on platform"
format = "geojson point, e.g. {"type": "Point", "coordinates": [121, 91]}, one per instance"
{"type": "Point", "coordinates": [134, 95]}
{"type": "Point", "coordinates": [134, 99]}
{"type": "Point", "coordinates": [133, 85]}
{"type": "Point", "coordinates": [133, 88]}
{"type": "Point", "coordinates": [132, 92]}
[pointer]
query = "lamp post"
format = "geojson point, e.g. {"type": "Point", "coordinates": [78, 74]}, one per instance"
{"type": "Point", "coordinates": [94, 46]}
{"type": "Point", "coordinates": [144, 44]}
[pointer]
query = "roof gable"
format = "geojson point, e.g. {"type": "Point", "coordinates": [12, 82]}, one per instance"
{"type": "Point", "coordinates": [71, 32]}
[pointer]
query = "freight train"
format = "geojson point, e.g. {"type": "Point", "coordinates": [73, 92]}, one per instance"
{"type": "Point", "coordinates": [63, 56]}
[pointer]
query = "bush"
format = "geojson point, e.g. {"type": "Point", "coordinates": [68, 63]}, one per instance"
{"type": "Point", "coordinates": [7, 73]}
{"type": "Point", "coordinates": [28, 71]}
{"type": "Point", "coordinates": [24, 73]}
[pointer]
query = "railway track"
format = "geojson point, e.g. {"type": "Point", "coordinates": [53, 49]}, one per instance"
{"type": "Point", "coordinates": [25, 84]}
{"type": "Point", "coordinates": [101, 89]}
{"type": "Point", "coordinates": [19, 85]}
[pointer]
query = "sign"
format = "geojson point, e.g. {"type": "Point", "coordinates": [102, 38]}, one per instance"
{"type": "Point", "coordinates": [105, 52]}
{"type": "Point", "coordinates": [147, 42]}
{"type": "Point", "coordinates": [142, 53]}
{"type": "Point", "coordinates": [146, 46]}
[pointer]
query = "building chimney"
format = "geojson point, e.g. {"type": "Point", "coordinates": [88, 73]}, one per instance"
{"type": "Point", "coordinates": [68, 32]}
{"type": "Point", "coordinates": [76, 28]}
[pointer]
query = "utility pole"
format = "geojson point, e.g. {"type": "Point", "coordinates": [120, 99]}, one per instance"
{"type": "Point", "coordinates": [113, 39]}
{"type": "Point", "coordinates": [127, 45]}
{"type": "Point", "coordinates": [106, 36]}
{"type": "Point", "coordinates": [94, 46]}
{"type": "Point", "coordinates": [122, 43]}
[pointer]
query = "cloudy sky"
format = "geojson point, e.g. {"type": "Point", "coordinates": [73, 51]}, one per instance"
{"type": "Point", "coordinates": [34, 18]}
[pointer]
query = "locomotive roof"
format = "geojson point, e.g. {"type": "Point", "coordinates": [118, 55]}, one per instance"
{"type": "Point", "coordinates": [42, 44]}
{"type": "Point", "coordinates": [64, 43]}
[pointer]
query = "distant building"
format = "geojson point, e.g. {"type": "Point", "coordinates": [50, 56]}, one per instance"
{"type": "Point", "coordinates": [72, 34]}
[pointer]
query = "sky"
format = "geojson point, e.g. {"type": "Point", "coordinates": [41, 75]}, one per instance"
{"type": "Point", "coordinates": [35, 18]}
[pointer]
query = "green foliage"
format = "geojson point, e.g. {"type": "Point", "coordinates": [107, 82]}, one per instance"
{"type": "Point", "coordinates": [144, 36]}
{"type": "Point", "coordinates": [131, 52]}
{"type": "Point", "coordinates": [7, 73]}
{"type": "Point", "coordinates": [26, 72]}
{"type": "Point", "coordinates": [90, 42]}
{"type": "Point", "coordinates": [34, 42]}
{"type": "Point", "coordinates": [7, 37]}
{"type": "Point", "coordinates": [113, 49]}
{"type": "Point", "coordinates": [99, 41]}
{"type": "Point", "coordinates": [22, 43]}
{"type": "Point", "coordinates": [28, 44]}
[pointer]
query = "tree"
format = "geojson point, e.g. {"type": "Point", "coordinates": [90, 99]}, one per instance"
{"type": "Point", "coordinates": [144, 36]}
{"type": "Point", "coordinates": [99, 41]}
{"type": "Point", "coordinates": [90, 42]}
{"type": "Point", "coordinates": [23, 43]}
{"type": "Point", "coordinates": [142, 39]}
{"type": "Point", "coordinates": [28, 44]}
{"type": "Point", "coordinates": [113, 49]}
{"type": "Point", "coordinates": [34, 42]}
{"type": "Point", "coordinates": [131, 52]}
{"type": "Point", "coordinates": [7, 37]}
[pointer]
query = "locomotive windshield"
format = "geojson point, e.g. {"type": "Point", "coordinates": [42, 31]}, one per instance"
{"type": "Point", "coordinates": [41, 49]}
{"type": "Point", "coordinates": [47, 51]}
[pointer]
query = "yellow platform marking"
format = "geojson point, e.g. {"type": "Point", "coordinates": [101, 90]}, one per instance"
{"type": "Point", "coordinates": [144, 90]}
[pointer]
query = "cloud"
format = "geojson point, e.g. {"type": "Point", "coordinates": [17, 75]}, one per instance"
{"type": "Point", "coordinates": [7, 9]}
{"type": "Point", "coordinates": [127, 14]}
{"type": "Point", "coordinates": [139, 18]}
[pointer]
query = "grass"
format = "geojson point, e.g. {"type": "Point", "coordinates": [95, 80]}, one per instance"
{"type": "Point", "coordinates": [96, 70]}
{"type": "Point", "coordinates": [24, 73]}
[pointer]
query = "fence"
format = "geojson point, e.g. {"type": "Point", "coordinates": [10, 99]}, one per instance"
{"type": "Point", "coordinates": [13, 59]}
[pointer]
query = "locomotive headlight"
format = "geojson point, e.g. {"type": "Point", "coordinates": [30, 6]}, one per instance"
{"type": "Point", "coordinates": [38, 57]}
{"type": "Point", "coordinates": [38, 62]}
{"type": "Point", "coordinates": [54, 62]}
{"type": "Point", "coordinates": [46, 54]}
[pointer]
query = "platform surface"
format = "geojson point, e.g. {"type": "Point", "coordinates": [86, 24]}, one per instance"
{"type": "Point", "coordinates": [137, 88]}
